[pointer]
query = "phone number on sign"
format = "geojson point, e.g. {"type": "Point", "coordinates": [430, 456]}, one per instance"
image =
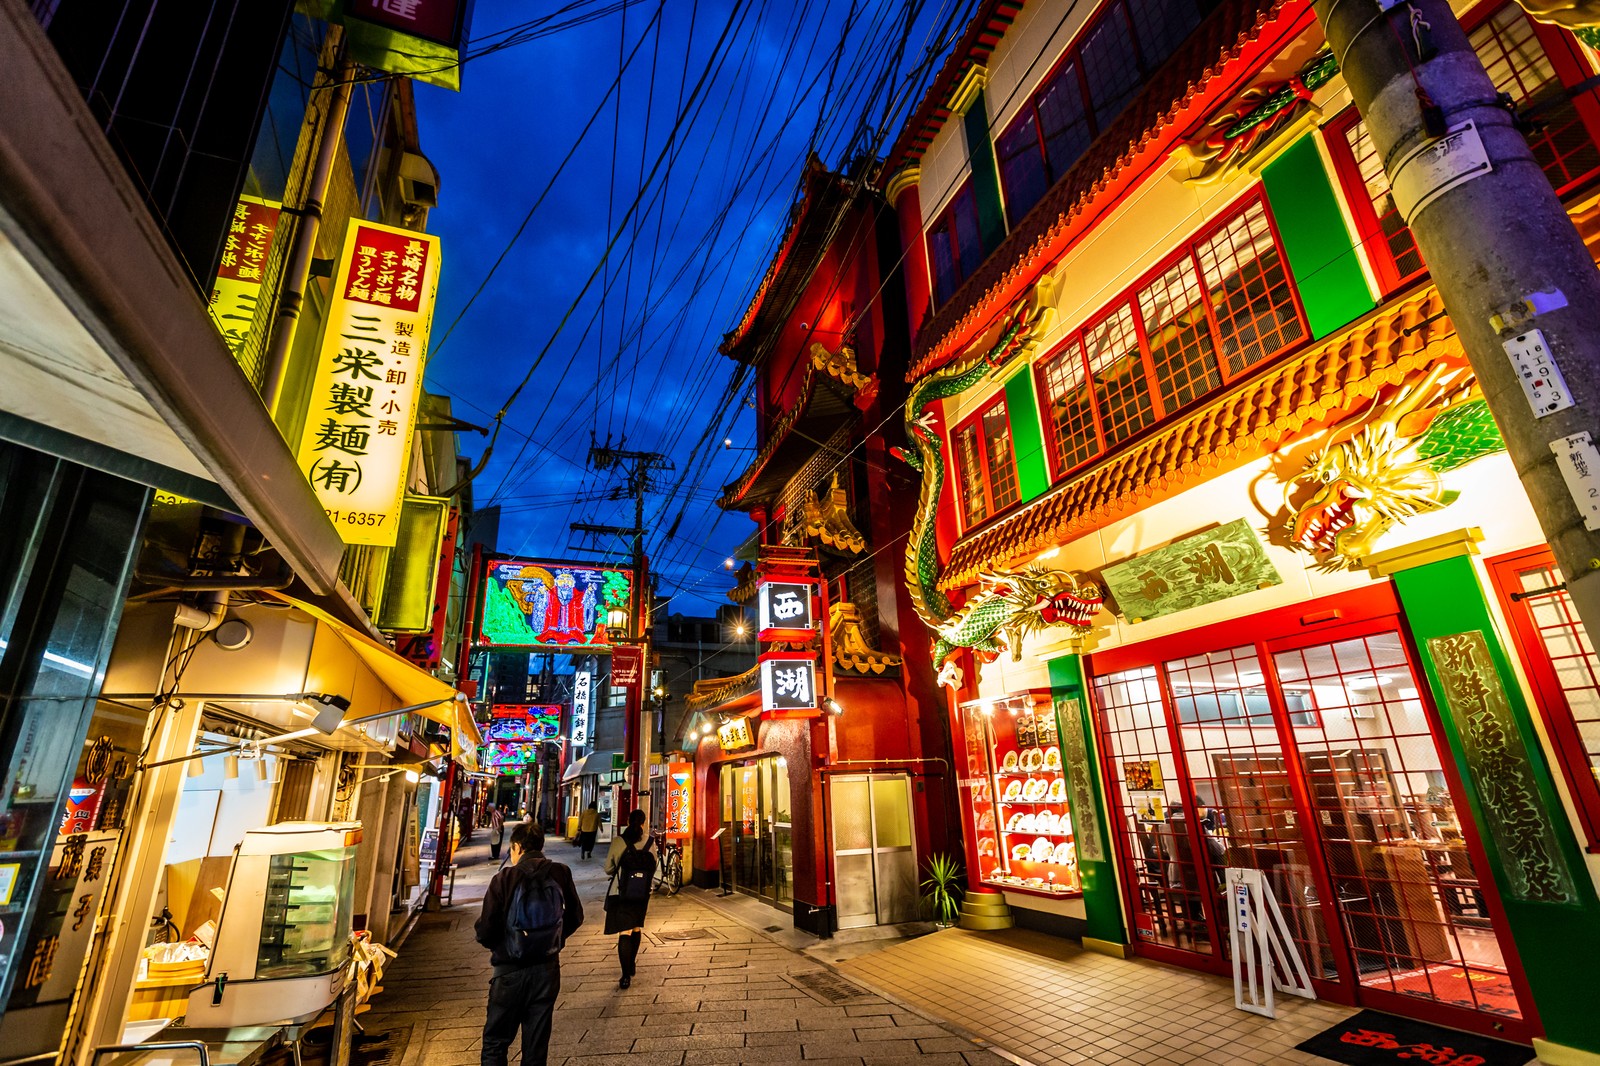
{"type": "Point", "coordinates": [357, 518]}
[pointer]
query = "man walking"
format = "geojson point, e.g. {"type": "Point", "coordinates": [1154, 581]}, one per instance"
{"type": "Point", "coordinates": [530, 909]}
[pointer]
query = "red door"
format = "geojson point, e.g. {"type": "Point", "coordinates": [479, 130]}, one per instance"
{"type": "Point", "coordinates": [1312, 753]}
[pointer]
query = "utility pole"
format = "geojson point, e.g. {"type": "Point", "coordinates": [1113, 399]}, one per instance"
{"type": "Point", "coordinates": [637, 468]}
{"type": "Point", "coordinates": [1514, 275]}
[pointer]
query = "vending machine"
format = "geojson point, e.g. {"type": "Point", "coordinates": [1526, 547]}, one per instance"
{"type": "Point", "coordinates": [283, 940]}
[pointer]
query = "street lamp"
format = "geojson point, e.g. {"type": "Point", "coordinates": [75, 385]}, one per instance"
{"type": "Point", "coordinates": [617, 619]}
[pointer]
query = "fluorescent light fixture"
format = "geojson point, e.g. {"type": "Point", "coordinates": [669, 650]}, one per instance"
{"type": "Point", "coordinates": [412, 777]}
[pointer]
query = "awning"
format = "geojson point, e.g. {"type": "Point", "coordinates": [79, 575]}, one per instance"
{"type": "Point", "coordinates": [596, 762]}
{"type": "Point", "coordinates": [409, 682]}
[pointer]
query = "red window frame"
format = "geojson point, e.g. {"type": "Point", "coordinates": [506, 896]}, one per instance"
{"type": "Point", "coordinates": [999, 493]}
{"type": "Point", "coordinates": [963, 200]}
{"type": "Point", "coordinates": [1108, 437]}
{"type": "Point", "coordinates": [1138, 54]}
{"type": "Point", "coordinates": [1369, 225]}
{"type": "Point", "coordinates": [1549, 695]}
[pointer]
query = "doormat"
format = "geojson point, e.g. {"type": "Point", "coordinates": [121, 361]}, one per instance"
{"type": "Point", "coordinates": [1371, 1038]}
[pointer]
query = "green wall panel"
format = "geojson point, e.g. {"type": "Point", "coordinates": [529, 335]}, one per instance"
{"type": "Point", "coordinates": [1101, 903]}
{"type": "Point", "coordinates": [1027, 435]}
{"type": "Point", "coordinates": [985, 175]}
{"type": "Point", "coordinates": [1557, 936]}
{"type": "Point", "coordinates": [1326, 271]}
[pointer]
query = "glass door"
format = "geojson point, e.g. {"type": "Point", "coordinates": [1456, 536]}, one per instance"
{"type": "Point", "coordinates": [875, 858]}
{"type": "Point", "coordinates": [1316, 760]}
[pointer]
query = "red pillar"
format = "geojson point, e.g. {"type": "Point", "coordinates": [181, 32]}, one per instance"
{"type": "Point", "coordinates": [904, 193]}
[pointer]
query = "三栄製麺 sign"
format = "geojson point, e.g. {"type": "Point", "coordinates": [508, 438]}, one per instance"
{"type": "Point", "coordinates": [363, 406]}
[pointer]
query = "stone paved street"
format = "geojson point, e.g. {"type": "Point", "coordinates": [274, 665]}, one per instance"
{"type": "Point", "coordinates": [723, 997]}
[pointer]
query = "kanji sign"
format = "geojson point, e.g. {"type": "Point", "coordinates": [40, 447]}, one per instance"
{"type": "Point", "coordinates": [789, 685]}
{"type": "Point", "coordinates": [735, 735]}
{"type": "Point", "coordinates": [244, 262]}
{"type": "Point", "coordinates": [532, 603]}
{"type": "Point", "coordinates": [1209, 566]}
{"type": "Point", "coordinates": [627, 666]}
{"type": "Point", "coordinates": [784, 605]}
{"type": "Point", "coordinates": [357, 440]}
{"type": "Point", "coordinates": [679, 795]}
{"type": "Point", "coordinates": [582, 694]}
{"type": "Point", "coordinates": [435, 20]}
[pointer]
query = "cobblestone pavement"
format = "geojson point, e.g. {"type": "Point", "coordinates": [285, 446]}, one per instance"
{"type": "Point", "coordinates": [725, 996]}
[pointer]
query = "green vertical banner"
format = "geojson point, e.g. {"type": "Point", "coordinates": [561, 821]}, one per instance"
{"type": "Point", "coordinates": [1101, 903]}
{"type": "Point", "coordinates": [1533, 857]}
{"type": "Point", "coordinates": [1326, 272]}
{"type": "Point", "coordinates": [1027, 435]}
{"type": "Point", "coordinates": [985, 174]}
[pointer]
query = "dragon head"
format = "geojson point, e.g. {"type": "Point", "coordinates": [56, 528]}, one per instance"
{"type": "Point", "coordinates": [1041, 597]}
{"type": "Point", "coordinates": [1361, 489]}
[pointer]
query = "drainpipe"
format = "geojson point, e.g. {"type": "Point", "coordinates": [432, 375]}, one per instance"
{"type": "Point", "coordinates": [298, 271]}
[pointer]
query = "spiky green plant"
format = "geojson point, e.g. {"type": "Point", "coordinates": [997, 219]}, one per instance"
{"type": "Point", "coordinates": [942, 889]}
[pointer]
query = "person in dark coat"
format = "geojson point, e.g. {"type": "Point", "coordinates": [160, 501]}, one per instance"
{"type": "Point", "coordinates": [626, 916]}
{"type": "Point", "coordinates": [523, 994]}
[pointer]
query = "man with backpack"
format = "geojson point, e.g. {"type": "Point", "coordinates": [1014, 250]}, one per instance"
{"type": "Point", "coordinates": [530, 909]}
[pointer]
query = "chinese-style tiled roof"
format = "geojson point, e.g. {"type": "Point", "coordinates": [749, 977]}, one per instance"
{"type": "Point", "coordinates": [850, 648]}
{"type": "Point", "coordinates": [1146, 130]}
{"type": "Point", "coordinates": [827, 388]}
{"type": "Point", "coordinates": [713, 692]}
{"type": "Point", "coordinates": [824, 197]}
{"type": "Point", "coordinates": [827, 517]}
{"type": "Point", "coordinates": [1303, 393]}
{"type": "Point", "coordinates": [983, 33]}
{"type": "Point", "coordinates": [744, 590]}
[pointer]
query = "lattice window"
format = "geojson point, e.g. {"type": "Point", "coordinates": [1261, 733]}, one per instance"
{"type": "Point", "coordinates": [1518, 65]}
{"type": "Point", "coordinates": [1066, 394]}
{"type": "Point", "coordinates": [1110, 65]}
{"type": "Point", "coordinates": [1161, 25]}
{"type": "Point", "coordinates": [1121, 387]}
{"type": "Point", "coordinates": [955, 250]}
{"type": "Point", "coordinates": [1248, 285]}
{"type": "Point", "coordinates": [1400, 245]}
{"type": "Point", "coordinates": [969, 468]}
{"type": "Point", "coordinates": [999, 463]}
{"type": "Point", "coordinates": [1064, 120]}
{"type": "Point", "coordinates": [1023, 172]}
{"type": "Point", "coordinates": [1179, 334]}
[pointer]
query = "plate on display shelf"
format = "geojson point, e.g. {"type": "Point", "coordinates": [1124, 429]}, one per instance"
{"type": "Point", "coordinates": [1063, 853]}
{"type": "Point", "coordinates": [1058, 791]}
{"type": "Point", "coordinates": [1032, 759]}
{"type": "Point", "coordinates": [987, 821]}
{"type": "Point", "coordinates": [1013, 790]}
{"type": "Point", "coordinates": [1052, 758]}
{"type": "Point", "coordinates": [986, 847]}
{"type": "Point", "coordinates": [1025, 824]}
{"type": "Point", "coordinates": [1042, 850]}
{"type": "Point", "coordinates": [1009, 763]}
{"type": "Point", "coordinates": [1036, 788]}
{"type": "Point", "coordinates": [1019, 852]}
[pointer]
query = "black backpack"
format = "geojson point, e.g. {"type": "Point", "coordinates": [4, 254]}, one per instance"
{"type": "Point", "coordinates": [535, 919]}
{"type": "Point", "coordinates": [635, 868]}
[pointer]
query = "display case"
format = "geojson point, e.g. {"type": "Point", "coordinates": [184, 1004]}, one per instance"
{"type": "Point", "coordinates": [1021, 819]}
{"type": "Point", "coordinates": [283, 940]}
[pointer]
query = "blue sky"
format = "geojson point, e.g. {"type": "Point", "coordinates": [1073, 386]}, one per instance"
{"type": "Point", "coordinates": [744, 91]}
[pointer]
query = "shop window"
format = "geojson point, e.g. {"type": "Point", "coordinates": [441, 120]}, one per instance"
{"type": "Point", "coordinates": [1086, 91]}
{"type": "Point", "coordinates": [984, 463]}
{"type": "Point", "coordinates": [1519, 66]}
{"type": "Point", "coordinates": [1249, 289]}
{"type": "Point", "coordinates": [1216, 310]}
{"type": "Point", "coordinates": [1563, 669]}
{"type": "Point", "coordinates": [1390, 245]}
{"type": "Point", "coordinates": [955, 249]}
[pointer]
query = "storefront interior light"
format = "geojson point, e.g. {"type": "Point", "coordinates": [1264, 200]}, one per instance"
{"type": "Point", "coordinates": [197, 767]}
{"type": "Point", "coordinates": [412, 777]}
{"type": "Point", "coordinates": [985, 707]}
{"type": "Point", "coordinates": [230, 767]}
{"type": "Point", "coordinates": [832, 706]}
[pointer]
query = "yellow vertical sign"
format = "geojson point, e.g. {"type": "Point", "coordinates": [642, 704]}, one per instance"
{"type": "Point", "coordinates": [243, 268]}
{"type": "Point", "coordinates": [363, 409]}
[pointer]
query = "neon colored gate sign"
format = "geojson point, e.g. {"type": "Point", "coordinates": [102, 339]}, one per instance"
{"type": "Point", "coordinates": [525, 723]}
{"type": "Point", "coordinates": [535, 604]}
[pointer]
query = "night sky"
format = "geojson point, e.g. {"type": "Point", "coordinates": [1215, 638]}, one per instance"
{"type": "Point", "coordinates": [693, 178]}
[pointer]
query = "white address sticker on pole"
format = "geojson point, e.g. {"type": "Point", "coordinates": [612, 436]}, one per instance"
{"type": "Point", "coordinates": [1435, 167]}
{"type": "Point", "coordinates": [1579, 461]}
{"type": "Point", "coordinates": [1536, 368]}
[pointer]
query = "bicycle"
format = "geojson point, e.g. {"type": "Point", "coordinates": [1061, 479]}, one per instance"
{"type": "Point", "coordinates": [669, 867]}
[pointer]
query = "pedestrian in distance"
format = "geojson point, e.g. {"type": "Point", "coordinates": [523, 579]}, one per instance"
{"type": "Point", "coordinates": [497, 831]}
{"type": "Point", "coordinates": [588, 829]}
{"type": "Point", "coordinates": [530, 909]}
{"type": "Point", "coordinates": [631, 865]}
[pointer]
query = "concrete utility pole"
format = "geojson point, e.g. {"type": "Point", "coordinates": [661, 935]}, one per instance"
{"type": "Point", "coordinates": [638, 467]}
{"type": "Point", "coordinates": [1509, 263]}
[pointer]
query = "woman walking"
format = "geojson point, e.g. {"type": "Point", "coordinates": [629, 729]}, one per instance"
{"type": "Point", "coordinates": [632, 867]}
{"type": "Point", "coordinates": [588, 828]}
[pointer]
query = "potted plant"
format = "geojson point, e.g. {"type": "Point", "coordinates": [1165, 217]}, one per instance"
{"type": "Point", "coordinates": [942, 890]}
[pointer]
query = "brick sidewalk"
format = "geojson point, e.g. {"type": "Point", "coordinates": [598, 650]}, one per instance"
{"type": "Point", "coordinates": [721, 997]}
